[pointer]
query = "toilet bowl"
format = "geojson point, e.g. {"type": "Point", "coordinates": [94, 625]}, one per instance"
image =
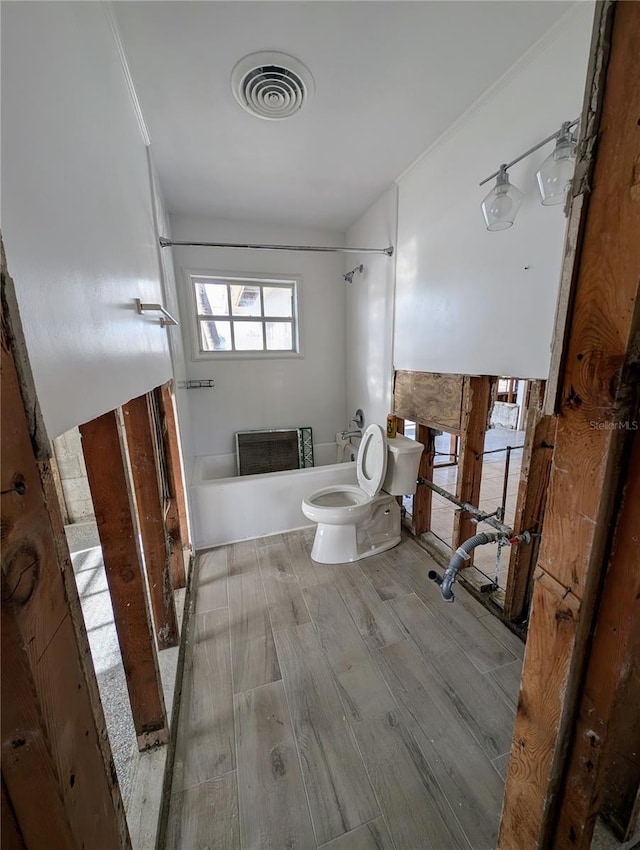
{"type": "Point", "coordinates": [357, 521]}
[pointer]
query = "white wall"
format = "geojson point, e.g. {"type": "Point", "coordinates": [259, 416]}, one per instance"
{"type": "Point", "coordinates": [468, 300]}
{"type": "Point", "coordinates": [370, 301]}
{"type": "Point", "coordinates": [77, 216]}
{"type": "Point", "coordinates": [176, 335]}
{"type": "Point", "coordinates": [269, 393]}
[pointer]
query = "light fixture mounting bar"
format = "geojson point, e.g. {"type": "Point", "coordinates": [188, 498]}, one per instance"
{"type": "Point", "coordinates": [527, 153]}
{"type": "Point", "coordinates": [167, 243]}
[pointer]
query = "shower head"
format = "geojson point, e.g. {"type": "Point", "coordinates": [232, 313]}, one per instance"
{"type": "Point", "coordinates": [349, 275]}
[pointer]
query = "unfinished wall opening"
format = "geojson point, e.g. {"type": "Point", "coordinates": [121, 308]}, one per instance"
{"type": "Point", "coordinates": [102, 469]}
{"type": "Point", "coordinates": [479, 433]}
{"type": "Point", "coordinates": [72, 487]}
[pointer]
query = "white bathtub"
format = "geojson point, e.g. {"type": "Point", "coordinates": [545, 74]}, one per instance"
{"type": "Point", "coordinates": [231, 508]}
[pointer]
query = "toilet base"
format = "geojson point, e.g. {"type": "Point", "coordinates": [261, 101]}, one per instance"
{"type": "Point", "coordinates": [339, 544]}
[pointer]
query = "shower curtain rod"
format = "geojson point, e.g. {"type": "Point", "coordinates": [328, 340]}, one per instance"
{"type": "Point", "coordinates": [167, 243]}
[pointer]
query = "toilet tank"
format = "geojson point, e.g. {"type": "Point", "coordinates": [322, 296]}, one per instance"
{"type": "Point", "coordinates": [403, 460]}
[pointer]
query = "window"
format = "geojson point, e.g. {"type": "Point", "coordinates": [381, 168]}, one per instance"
{"type": "Point", "coordinates": [245, 314]}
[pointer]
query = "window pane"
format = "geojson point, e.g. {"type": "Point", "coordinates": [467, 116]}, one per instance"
{"type": "Point", "coordinates": [279, 336]}
{"type": "Point", "coordinates": [248, 336]}
{"type": "Point", "coordinates": [215, 336]}
{"type": "Point", "coordinates": [211, 299]}
{"type": "Point", "coordinates": [245, 300]}
{"type": "Point", "coordinates": [278, 301]}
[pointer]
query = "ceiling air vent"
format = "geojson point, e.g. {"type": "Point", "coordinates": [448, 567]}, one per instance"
{"type": "Point", "coordinates": [271, 85]}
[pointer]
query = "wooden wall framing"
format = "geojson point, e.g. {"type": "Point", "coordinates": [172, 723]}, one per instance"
{"type": "Point", "coordinates": [459, 405]}
{"type": "Point", "coordinates": [103, 444]}
{"type": "Point", "coordinates": [143, 456]}
{"type": "Point", "coordinates": [176, 515]}
{"type": "Point", "coordinates": [474, 421]}
{"type": "Point", "coordinates": [530, 507]}
{"type": "Point", "coordinates": [44, 642]}
{"type": "Point", "coordinates": [558, 751]}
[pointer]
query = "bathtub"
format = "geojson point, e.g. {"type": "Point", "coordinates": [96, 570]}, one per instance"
{"type": "Point", "coordinates": [226, 508]}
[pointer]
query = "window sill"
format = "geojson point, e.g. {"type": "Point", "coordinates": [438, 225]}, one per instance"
{"type": "Point", "coordinates": [211, 356]}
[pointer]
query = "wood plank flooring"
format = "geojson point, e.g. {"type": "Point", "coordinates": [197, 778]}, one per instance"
{"type": "Point", "coordinates": [342, 707]}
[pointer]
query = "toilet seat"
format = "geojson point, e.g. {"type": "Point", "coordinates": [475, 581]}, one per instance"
{"type": "Point", "coordinates": [338, 496]}
{"type": "Point", "coordinates": [371, 463]}
{"type": "Point", "coordinates": [350, 503]}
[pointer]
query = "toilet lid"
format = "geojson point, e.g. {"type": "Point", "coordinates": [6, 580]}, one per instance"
{"type": "Point", "coordinates": [372, 460]}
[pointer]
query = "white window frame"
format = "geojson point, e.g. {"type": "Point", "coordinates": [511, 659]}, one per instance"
{"type": "Point", "coordinates": [261, 279]}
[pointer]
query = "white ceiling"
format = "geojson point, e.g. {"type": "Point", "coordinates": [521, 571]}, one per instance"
{"type": "Point", "coordinates": [390, 78]}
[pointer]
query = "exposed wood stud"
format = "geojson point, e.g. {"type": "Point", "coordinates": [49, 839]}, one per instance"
{"type": "Point", "coordinates": [38, 573]}
{"type": "Point", "coordinates": [105, 458]}
{"type": "Point", "coordinates": [476, 403]}
{"type": "Point", "coordinates": [604, 764]}
{"type": "Point", "coordinates": [57, 481]}
{"type": "Point", "coordinates": [142, 455]}
{"type": "Point", "coordinates": [176, 518]}
{"type": "Point", "coordinates": [423, 496]}
{"type": "Point", "coordinates": [27, 763]}
{"type": "Point", "coordinates": [599, 388]}
{"type": "Point", "coordinates": [530, 506]}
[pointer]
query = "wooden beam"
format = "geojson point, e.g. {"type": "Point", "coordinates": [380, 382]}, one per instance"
{"type": "Point", "coordinates": [430, 398]}
{"type": "Point", "coordinates": [598, 395]}
{"type": "Point", "coordinates": [177, 520]}
{"type": "Point", "coordinates": [547, 660]}
{"type": "Point", "coordinates": [604, 763]}
{"type": "Point", "coordinates": [476, 404]}
{"type": "Point", "coordinates": [41, 587]}
{"type": "Point", "coordinates": [105, 459]}
{"type": "Point", "coordinates": [57, 483]}
{"type": "Point", "coordinates": [423, 495]}
{"type": "Point", "coordinates": [621, 786]}
{"type": "Point", "coordinates": [530, 506]}
{"type": "Point", "coordinates": [138, 428]}
{"type": "Point", "coordinates": [27, 763]}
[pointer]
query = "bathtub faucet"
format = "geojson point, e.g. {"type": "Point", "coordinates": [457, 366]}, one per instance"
{"type": "Point", "coordinates": [346, 434]}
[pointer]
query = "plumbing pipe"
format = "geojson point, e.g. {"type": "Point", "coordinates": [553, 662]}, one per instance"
{"type": "Point", "coordinates": [458, 558]}
{"type": "Point", "coordinates": [479, 515]}
{"type": "Point", "coordinates": [462, 554]}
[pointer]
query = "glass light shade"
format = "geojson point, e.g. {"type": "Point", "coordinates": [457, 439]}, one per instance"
{"type": "Point", "coordinates": [501, 205]}
{"type": "Point", "coordinates": [556, 172]}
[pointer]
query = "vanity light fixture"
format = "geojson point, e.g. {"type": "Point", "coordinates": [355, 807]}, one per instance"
{"type": "Point", "coordinates": [501, 205]}
{"type": "Point", "coordinates": [555, 173]}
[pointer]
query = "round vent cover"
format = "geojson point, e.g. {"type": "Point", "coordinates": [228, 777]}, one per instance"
{"type": "Point", "coordinates": [271, 85]}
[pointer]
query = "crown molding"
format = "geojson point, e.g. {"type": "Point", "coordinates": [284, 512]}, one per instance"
{"type": "Point", "coordinates": [107, 5]}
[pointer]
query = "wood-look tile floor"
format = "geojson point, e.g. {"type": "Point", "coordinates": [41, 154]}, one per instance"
{"type": "Point", "coordinates": [339, 707]}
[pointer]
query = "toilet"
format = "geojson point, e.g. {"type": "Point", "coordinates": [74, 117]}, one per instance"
{"type": "Point", "coordinates": [356, 521]}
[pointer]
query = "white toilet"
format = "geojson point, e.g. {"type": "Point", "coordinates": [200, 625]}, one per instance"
{"type": "Point", "coordinates": [357, 521]}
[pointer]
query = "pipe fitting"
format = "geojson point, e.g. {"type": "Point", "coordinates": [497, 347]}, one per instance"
{"type": "Point", "coordinates": [462, 554]}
